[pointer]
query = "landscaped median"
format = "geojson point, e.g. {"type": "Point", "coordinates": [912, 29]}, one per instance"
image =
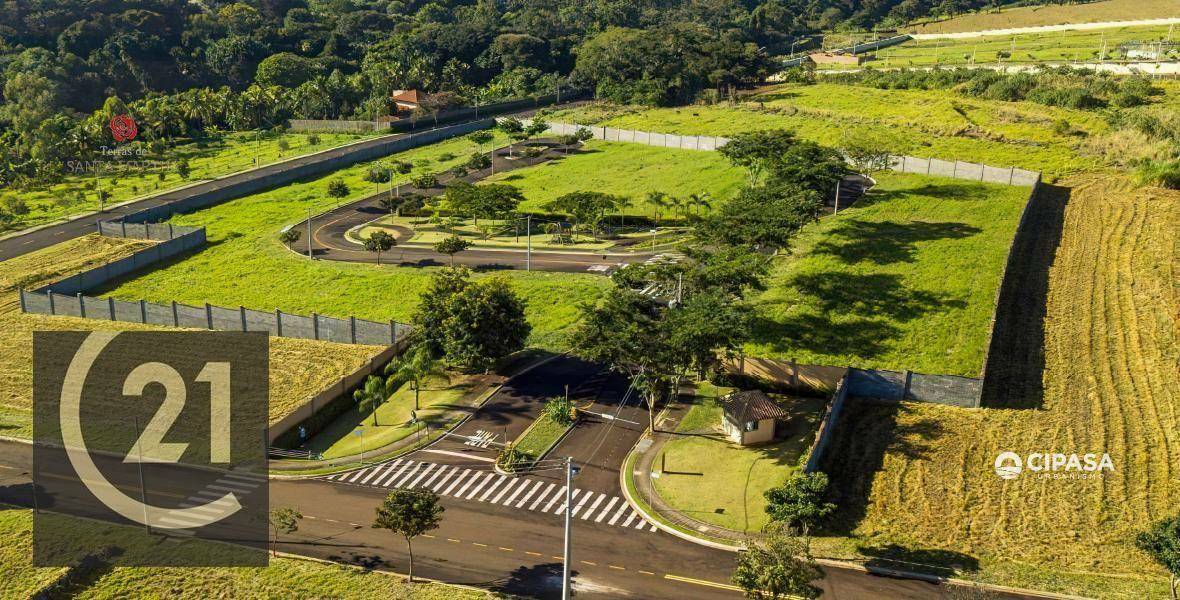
{"type": "Point", "coordinates": [539, 438]}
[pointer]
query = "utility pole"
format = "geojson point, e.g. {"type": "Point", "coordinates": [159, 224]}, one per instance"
{"type": "Point", "coordinates": [837, 209]}
{"type": "Point", "coordinates": [569, 509]}
{"type": "Point", "coordinates": [309, 234]}
{"type": "Point", "coordinates": [528, 233]}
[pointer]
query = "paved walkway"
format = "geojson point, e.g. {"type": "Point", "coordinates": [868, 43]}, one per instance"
{"type": "Point", "coordinates": [648, 451]}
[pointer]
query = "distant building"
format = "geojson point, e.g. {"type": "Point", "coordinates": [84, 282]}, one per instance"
{"type": "Point", "coordinates": [407, 101]}
{"type": "Point", "coordinates": [750, 417]}
{"type": "Point", "coordinates": [833, 58]}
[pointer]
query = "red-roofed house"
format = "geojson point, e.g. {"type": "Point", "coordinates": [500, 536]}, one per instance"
{"type": "Point", "coordinates": [749, 417]}
{"type": "Point", "coordinates": [408, 100]}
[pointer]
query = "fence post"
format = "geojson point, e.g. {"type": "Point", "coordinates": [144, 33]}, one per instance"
{"type": "Point", "coordinates": [352, 328]}
{"type": "Point", "coordinates": [982, 170]}
{"type": "Point", "coordinates": [209, 315]}
{"type": "Point", "coordinates": [81, 306]}
{"type": "Point", "coordinates": [142, 311]}
{"type": "Point", "coordinates": [1011, 174]}
{"type": "Point", "coordinates": [111, 307]}
{"type": "Point", "coordinates": [315, 326]}
{"type": "Point", "coordinates": [175, 315]}
{"type": "Point", "coordinates": [278, 323]}
{"type": "Point", "coordinates": [242, 311]}
{"type": "Point", "coordinates": [23, 307]}
{"type": "Point", "coordinates": [392, 331]}
{"type": "Point", "coordinates": [52, 308]}
{"type": "Point", "coordinates": [955, 171]}
{"type": "Point", "coordinates": [928, 161]}
{"type": "Point", "coordinates": [169, 230]}
{"type": "Point", "coordinates": [905, 392]}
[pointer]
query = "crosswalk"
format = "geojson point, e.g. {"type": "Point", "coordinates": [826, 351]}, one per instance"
{"type": "Point", "coordinates": [237, 483]}
{"type": "Point", "coordinates": [482, 485]}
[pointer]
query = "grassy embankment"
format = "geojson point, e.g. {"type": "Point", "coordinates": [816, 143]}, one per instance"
{"type": "Point", "coordinates": [916, 481]}
{"type": "Point", "coordinates": [928, 123]}
{"type": "Point", "coordinates": [1034, 16]}
{"type": "Point", "coordinates": [283, 578]}
{"type": "Point", "coordinates": [906, 278]}
{"type": "Point", "coordinates": [711, 479]}
{"type": "Point", "coordinates": [299, 368]}
{"type": "Point", "coordinates": [245, 263]}
{"type": "Point", "coordinates": [1021, 49]}
{"type": "Point", "coordinates": [208, 159]}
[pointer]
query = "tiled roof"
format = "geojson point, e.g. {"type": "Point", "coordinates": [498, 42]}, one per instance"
{"type": "Point", "coordinates": [408, 96]}
{"type": "Point", "coordinates": [752, 405]}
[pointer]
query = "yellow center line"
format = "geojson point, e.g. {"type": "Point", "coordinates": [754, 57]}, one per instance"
{"type": "Point", "coordinates": [723, 586]}
{"type": "Point", "coordinates": [479, 544]}
{"type": "Point", "coordinates": [562, 558]}
{"type": "Point", "coordinates": [506, 549]}
{"type": "Point", "coordinates": [427, 535]}
{"type": "Point", "coordinates": [532, 553]}
{"type": "Point", "coordinates": [453, 540]}
{"type": "Point", "coordinates": [647, 572]}
{"type": "Point", "coordinates": [586, 562]}
{"type": "Point", "coordinates": [614, 567]}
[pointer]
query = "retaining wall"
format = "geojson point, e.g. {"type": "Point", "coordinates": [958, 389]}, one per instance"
{"type": "Point", "coordinates": [827, 427]}
{"type": "Point", "coordinates": [176, 240]}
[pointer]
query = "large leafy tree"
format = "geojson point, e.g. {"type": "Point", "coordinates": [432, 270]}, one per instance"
{"type": "Point", "coordinates": [1162, 544]}
{"type": "Point", "coordinates": [800, 501]}
{"type": "Point", "coordinates": [777, 566]}
{"type": "Point", "coordinates": [765, 217]}
{"type": "Point", "coordinates": [471, 324]}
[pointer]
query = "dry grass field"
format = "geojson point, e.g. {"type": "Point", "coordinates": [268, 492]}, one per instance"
{"type": "Point", "coordinates": [299, 368]}
{"type": "Point", "coordinates": [916, 482]}
{"type": "Point", "coordinates": [1034, 16]}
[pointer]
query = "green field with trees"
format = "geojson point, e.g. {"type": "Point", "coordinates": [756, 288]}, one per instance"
{"type": "Point", "coordinates": [246, 264]}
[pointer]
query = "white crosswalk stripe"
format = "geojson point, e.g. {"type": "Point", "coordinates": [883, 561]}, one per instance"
{"type": "Point", "coordinates": [478, 485]}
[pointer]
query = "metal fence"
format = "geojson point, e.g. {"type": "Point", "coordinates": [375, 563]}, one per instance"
{"type": "Point", "coordinates": [350, 330]}
{"type": "Point", "coordinates": [956, 169]}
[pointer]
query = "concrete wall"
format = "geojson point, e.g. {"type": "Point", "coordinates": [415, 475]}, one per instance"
{"type": "Point", "coordinates": [827, 427]}
{"type": "Point", "coordinates": [187, 238]}
{"type": "Point", "coordinates": [335, 125]}
{"type": "Point", "coordinates": [897, 386]}
{"type": "Point", "coordinates": [788, 375]}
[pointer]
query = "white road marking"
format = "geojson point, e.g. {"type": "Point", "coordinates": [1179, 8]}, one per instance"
{"type": "Point", "coordinates": [386, 471]}
{"type": "Point", "coordinates": [402, 476]}
{"type": "Point", "coordinates": [427, 470]}
{"type": "Point", "coordinates": [630, 517]}
{"type": "Point", "coordinates": [466, 486]}
{"type": "Point", "coordinates": [439, 471]}
{"type": "Point", "coordinates": [533, 491]}
{"type": "Point", "coordinates": [456, 482]}
{"type": "Point", "coordinates": [388, 478]}
{"type": "Point", "coordinates": [622, 509]}
{"type": "Point", "coordinates": [498, 483]}
{"type": "Point", "coordinates": [606, 509]}
{"type": "Point", "coordinates": [558, 496]}
{"type": "Point", "coordinates": [442, 482]}
{"type": "Point", "coordinates": [590, 509]}
{"type": "Point", "coordinates": [460, 455]}
{"type": "Point", "coordinates": [506, 489]}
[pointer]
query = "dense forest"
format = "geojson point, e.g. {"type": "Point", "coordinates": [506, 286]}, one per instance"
{"type": "Point", "coordinates": [183, 67]}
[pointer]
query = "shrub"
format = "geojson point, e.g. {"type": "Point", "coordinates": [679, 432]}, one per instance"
{"type": "Point", "coordinates": [459, 171]}
{"type": "Point", "coordinates": [284, 145]}
{"type": "Point", "coordinates": [1127, 100]}
{"type": "Point", "coordinates": [377, 175]}
{"type": "Point", "coordinates": [337, 188]}
{"type": "Point", "coordinates": [425, 181]}
{"type": "Point", "coordinates": [403, 167]}
{"type": "Point", "coordinates": [313, 140]}
{"type": "Point", "coordinates": [479, 160]}
{"type": "Point", "coordinates": [445, 156]}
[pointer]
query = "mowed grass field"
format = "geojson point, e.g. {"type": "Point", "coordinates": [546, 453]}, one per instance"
{"type": "Point", "coordinates": [1053, 14]}
{"type": "Point", "coordinates": [629, 170]}
{"type": "Point", "coordinates": [915, 482]}
{"type": "Point", "coordinates": [299, 368]}
{"type": "Point", "coordinates": [284, 578]}
{"type": "Point", "coordinates": [1027, 48]}
{"type": "Point", "coordinates": [928, 123]}
{"type": "Point", "coordinates": [208, 159]}
{"type": "Point", "coordinates": [245, 264]}
{"type": "Point", "coordinates": [904, 279]}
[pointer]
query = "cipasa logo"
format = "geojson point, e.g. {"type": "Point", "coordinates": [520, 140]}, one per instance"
{"type": "Point", "coordinates": [1053, 465]}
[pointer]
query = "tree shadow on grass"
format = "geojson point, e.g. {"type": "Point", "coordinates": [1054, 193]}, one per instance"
{"type": "Point", "coordinates": [855, 240]}
{"type": "Point", "coordinates": [865, 433]}
{"type": "Point", "coordinates": [847, 314]}
{"type": "Point", "coordinates": [1016, 357]}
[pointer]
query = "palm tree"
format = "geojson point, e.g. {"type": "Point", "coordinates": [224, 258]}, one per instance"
{"type": "Point", "coordinates": [659, 200]}
{"type": "Point", "coordinates": [371, 396]}
{"type": "Point", "coordinates": [416, 365]}
{"type": "Point", "coordinates": [701, 200]}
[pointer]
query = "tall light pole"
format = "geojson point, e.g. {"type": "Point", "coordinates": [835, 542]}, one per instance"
{"type": "Point", "coordinates": [309, 234]}
{"type": "Point", "coordinates": [569, 509]}
{"type": "Point", "coordinates": [837, 209]}
{"type": "Point", "coordinates": [528, 232]}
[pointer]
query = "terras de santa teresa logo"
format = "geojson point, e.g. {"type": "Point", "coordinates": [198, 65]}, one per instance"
{"type": "Point", "coordinates": [123, 128]}
{"type": "Point", "coordinates": [1053, 465]}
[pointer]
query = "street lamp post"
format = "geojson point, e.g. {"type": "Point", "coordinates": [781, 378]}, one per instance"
{"type": "Point", "coordinates": [309, 234]}
{"type": "Point", "coordinates": [569, 508]}
{"type": "Point", "coordinates": [528, 232]}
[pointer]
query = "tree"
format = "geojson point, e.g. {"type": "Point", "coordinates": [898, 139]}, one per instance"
{"type": "Point", "coordinates": [286, 69]}
{"type": "Point", "coordinates": [777, 566]}
{"type": "Point", "coordinates": [371, 396]}
{"type": "Point", "coordinates": [708, 323]}
{"type": "Point", "coordinates": [285, 520]}
{"type": "Point", "coordinates": [379, 241]}
{"type": "Point", "coordinates": [800, 501]}
{"type": "Point", "coordinates": [183, 169]}
{"type": "Point", "coordinates": [869, 151]}
{"type": "Point", "coordinates": [409, 513]}
{"type": "Point", "coordinates": [481, 137]}
{"type": "Point", "coordinates": [762, 218]}
{"type": "Point", "coordinates": [513, 128]}
{"type": "Point", "coordinates": [338, 189]}
{"type": "Point", "coordinates": [451, 246]}
{"type": "Point", "coordinates": [416, 366]}
{"type": "Point", "coordinates": [586, 207]}
{"type": "Point", "coordinates": [1162, 544]}
{"type": "Point", "coordinates": [471, 324]}
{"type": "Point", "coordinates": [289, 236]}
{"type": "Point", "coordinates": [759, 152]}
{"type": "Point", "coordinates": [560, 410]}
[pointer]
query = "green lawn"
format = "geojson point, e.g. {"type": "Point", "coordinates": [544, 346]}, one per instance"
{"type": "Point", "coordinates": [437, 402]}
{"type": "Point", "coordinates": [928, 123]}
{"type": "Point", "coordinates": [904, 279]}
{"type": "Point", "coordinates": [716, 481]}
{"type": "Point", "coordinates": [207, 159]}
{"type": "Point", "coordinates": [630, 170]}
{"type": "Point", "coordinates": [539, 437]}
{"type": "Point", "coordinates": [1050, 46]}
{"type": "Point", "coordinates": [245, 264]}
{"type": "Point", "coordinates": [20, 578]}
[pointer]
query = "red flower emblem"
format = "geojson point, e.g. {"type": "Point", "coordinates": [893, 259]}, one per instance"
{"type": "Point", "coordinates": [123, 128]}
